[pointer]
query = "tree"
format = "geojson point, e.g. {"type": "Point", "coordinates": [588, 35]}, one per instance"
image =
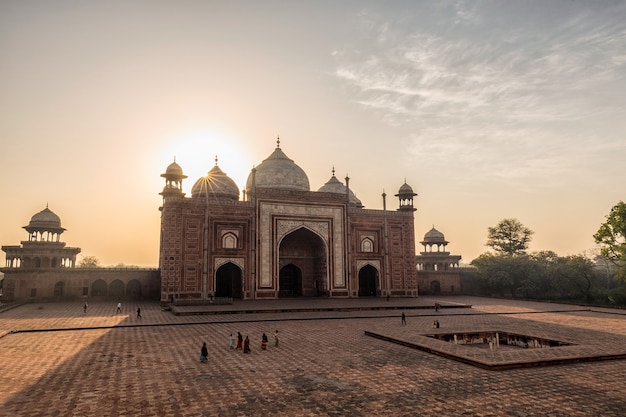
{"type": "Point", "coordinates": [509, 237]}
{"type": "Point", "coordinates": [89, 262]}
{"type": "Point", "coordinates": [612, 238]}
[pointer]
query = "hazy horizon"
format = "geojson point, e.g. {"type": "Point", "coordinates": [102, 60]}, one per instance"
{"type": "Point", "coordinates": [488, 109]}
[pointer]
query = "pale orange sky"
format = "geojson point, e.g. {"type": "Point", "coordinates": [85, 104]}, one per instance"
{"type": "Point", "coordinates": [489, 110]}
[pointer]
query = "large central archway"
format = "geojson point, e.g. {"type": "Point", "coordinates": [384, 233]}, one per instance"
{"type": "Point", "coordinates": [303, 260]}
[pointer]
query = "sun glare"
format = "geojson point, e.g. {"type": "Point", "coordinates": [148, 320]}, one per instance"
{"type": "Point", "coordinates": [198, 150]}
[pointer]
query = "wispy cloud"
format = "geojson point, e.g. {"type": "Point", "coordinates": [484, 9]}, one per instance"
{"type": "Point", "coordinates": [506, 102]}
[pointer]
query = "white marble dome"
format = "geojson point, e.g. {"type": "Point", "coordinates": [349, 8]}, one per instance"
{"type": "Point", "coordinates": [278, 172]}
{"type": "Point", "coordinates": [215, 184]}
{"type": "Point", "coordinates": [337, 187]}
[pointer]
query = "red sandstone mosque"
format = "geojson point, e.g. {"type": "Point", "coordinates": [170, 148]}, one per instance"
{"type": "Point", "coordinates": [281, 239]}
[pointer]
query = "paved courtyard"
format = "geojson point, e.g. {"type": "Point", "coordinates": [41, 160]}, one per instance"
{"type": "Point", "coordinates": [56, 360]}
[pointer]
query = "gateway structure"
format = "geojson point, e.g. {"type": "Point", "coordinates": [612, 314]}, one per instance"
{"type": "Point", "coordinates": [281, 239]}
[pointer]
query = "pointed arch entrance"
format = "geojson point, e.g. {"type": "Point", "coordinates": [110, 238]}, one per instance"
{"type": "Point", "coordinates": [368, 281]}
{"type": "Point", "coordinates": [228, 281]}
{"type": "Point", "coordinates": [303, 260]}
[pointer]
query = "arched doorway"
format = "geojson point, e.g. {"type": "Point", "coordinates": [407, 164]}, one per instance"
{"type": "Point", "coordinates": [116, 289]}
{"type": "Point", "coordinates": [133, 289]}
{"type": "Point", "coordinates": [435, 287]}
{"type": "Point", "coordinates": [290, 281]}
{"type": "Point", "coordinates": [228, 281]}
{"type": "Point", "coordinates": [58, 289]}
{"type": "Point", "coordinates": [303, 260]}
{"type": "Point", "coordinates": [99, 288]}
{"type": "Point", "coordinates": [368, 281]}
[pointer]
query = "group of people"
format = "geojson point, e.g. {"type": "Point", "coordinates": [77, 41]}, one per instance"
{"type": "Point", "coordinates": [118, 309]}
{"type": "Point", "coordinates": [241, 344]}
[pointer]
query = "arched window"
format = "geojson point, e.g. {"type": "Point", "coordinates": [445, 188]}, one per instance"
{"type": "Point", "coordinates": [229, 241]}
{"type": "Point", "coordinates": [367, 245]}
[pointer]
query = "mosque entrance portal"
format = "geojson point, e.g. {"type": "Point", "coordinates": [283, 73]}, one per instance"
{"type": "Point", "coordinates": [303, 265]}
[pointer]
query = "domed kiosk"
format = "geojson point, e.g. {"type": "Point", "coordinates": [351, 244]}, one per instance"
{"type": "Point", "coordinates": [281, 239]}
{"type": "Point", "coordinates": [437, 271]}
{"type": "Point", "coordinates": [43, 268]}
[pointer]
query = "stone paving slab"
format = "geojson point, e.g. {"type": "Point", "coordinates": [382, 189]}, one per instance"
{"type": "Point", "coordinates": [323, 366]}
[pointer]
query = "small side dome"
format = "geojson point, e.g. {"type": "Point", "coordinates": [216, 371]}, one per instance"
{"type": "Point", "coordinates": [434, 236]}
{"type": "Point", "coordinates": [335, 186]}
{"type": "Point", "coordinates": [44, 220]}
{"type": "Point", "coordinates": [278, 172]}
{"type": "Point", "coordinates": [216, 184]}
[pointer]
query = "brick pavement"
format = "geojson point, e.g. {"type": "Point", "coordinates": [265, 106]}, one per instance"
{"type": "Point", "coordinates": [118, 365]}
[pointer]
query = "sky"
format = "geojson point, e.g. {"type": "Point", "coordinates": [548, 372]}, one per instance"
{"type": "Point", "coordinates": [488, 109]}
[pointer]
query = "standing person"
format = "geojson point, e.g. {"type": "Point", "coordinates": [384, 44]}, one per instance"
{"type": "Point", "coordinates": [204, 353]}
{"type": "Point", "coordinates": [264, 341]}
{"type": "Point", "coordinates": [246, 345]}
{"type": "Point", "coordinates": [239, 340]}
{"type": "Point", "coordinates": [231, 342]}
{"type": "Point", "coordinates": [138, 312]}
{"type": "Point", "coordinates": [437, 323]}
{"type": "Point", "coordinates": [276, 338]}
{"type": "Point", "coordinates": [85, 308]}
{"type": "Point", "coordinates": [119, 307]}
{"type": "Point", "coordinates": [403, 319]}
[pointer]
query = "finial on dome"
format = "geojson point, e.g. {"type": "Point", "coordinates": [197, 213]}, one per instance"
{"type": "Point", "coordinates": [215, 160]}
{"type": "Point", "coordinates": [277, 141]}
{"type": "Point", "coordinates": [333, 170]}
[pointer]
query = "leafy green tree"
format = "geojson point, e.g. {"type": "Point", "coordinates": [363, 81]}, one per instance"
{"type": "Point", "coordinates": [509, 237]}
{"type": "Point", "coordinates": [612, 238]}
{"type": "Point", "coordinates": [89, 262]}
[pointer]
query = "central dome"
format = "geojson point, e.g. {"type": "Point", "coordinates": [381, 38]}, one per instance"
{"type": "Point", "coordinates": [278, 172]}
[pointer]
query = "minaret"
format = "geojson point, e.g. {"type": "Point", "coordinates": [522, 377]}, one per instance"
{"type": "Point", "coordinates": [173, 181]}
{"type": "Point", "coordinates": [405, 195]}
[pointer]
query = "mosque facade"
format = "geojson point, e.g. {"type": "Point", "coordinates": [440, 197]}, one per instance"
{"type": "Point", "coordinates": [281, 239]}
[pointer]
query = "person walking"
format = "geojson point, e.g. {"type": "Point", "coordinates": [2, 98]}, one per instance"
{"type": "Point", "coordinates": [403, 319]}
{"type": "Point", "coordinates": [231, 342]}
{"type": "Point", "coordinates": [264, 341]}
{"type": "Point", "coordinates": [85, 308]}
{"type": "Point", "coordinates": [138, 312]}
{"type": "Point", "coordinates": [276, 338]}
{"type": "Point", "coordinates": [246, 345]}
{"type": "Point", "coordinates": [119, 307]}
{"type": "Point", "coordinates": [204, 353]}
{"type": "Point", "coordinates": [239, 341]}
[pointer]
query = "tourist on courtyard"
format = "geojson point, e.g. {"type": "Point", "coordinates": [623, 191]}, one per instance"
{"type": "Point", "coordinates": [246, 345]}
{"type": "Point", "coordinates": [204, 353]}
{"type": "Point", "coordinates": [264, 341]}
{"type": "Point", "coordinates": [138, 312]}
{"type": "Point", "coordinates": [437, 323]}
{"type": "Point", "coordinates": [85, 308]}
{"type": "Point", "coordinates": [434, 324]}
{"type": "Point", "coordinates": [403, 319]}
{"type": "Point", "coordinates": [239, 340]}
{"type": "Point", "coordinates": [231, 341]}
{"type": "Point", "coordinates": [119, 307]}
{"type": "Point", "coordinates": [437, 307]}
{"type": "Point", "coordinates": [276, 338]}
